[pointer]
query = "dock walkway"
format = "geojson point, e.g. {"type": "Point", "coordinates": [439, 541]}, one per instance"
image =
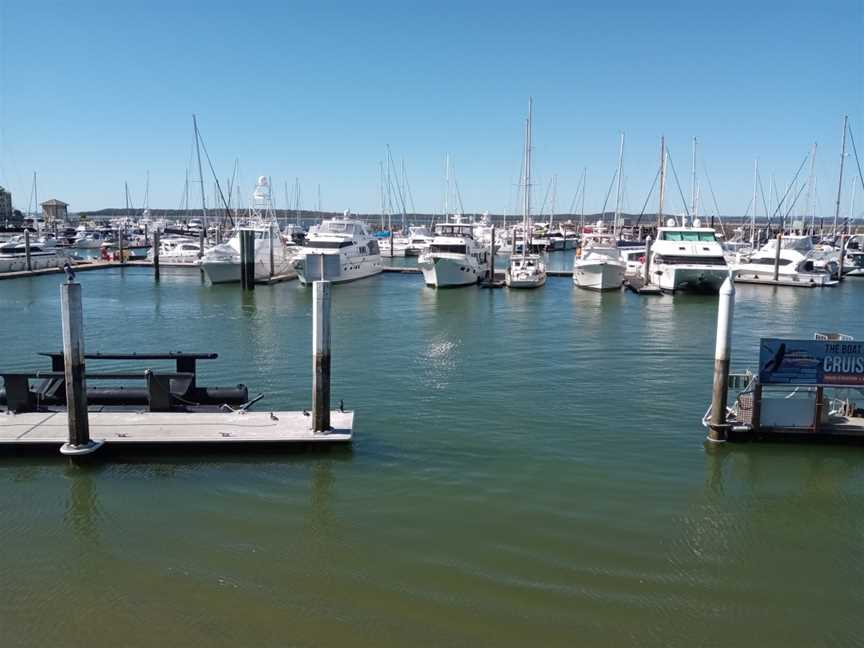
{"type": "Point", "coordinates": [112, 427]}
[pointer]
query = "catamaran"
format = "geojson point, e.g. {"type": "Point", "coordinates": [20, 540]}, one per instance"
{"type": "Point", "coordinates": [687, 258]}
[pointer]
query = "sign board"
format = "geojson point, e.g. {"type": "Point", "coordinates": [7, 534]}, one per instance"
{"type": "Point", "coordinates": [331, 264]}
{"type": "Point", "coordinates": [811, 362]}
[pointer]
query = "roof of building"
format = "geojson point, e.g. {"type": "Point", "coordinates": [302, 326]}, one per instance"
{"type": "Point", "coordinates": [54, 203]}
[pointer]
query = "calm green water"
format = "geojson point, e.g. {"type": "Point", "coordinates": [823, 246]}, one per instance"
{"type": "Point", "coordinates": [529, 469]}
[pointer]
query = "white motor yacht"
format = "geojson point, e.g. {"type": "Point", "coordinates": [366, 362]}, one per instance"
{"type": "Point", "coordinates": [221, 263]}
{"type": "Point", "coordinates": [13, 256]}
{"type": "Point", "coordinates": [455, 257]}
{"type": "Point", "coordinates": [799, 264]}
{"type": "Point", "coordinates": [687, 258]}
{"type": "Point", "coordinates": [344, 247]}
{"type": "Point", "coordinates": [600, 265]}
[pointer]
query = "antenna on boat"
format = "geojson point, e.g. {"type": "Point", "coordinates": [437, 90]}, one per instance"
{"type": "Point", "coordinates": [662, 180]}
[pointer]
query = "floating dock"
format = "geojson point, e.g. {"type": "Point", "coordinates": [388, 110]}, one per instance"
{"type": "Point", "coordinates": [172, 428]}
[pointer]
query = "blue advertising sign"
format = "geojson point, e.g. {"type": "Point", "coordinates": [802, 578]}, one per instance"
{"type": "Point", "coordinates": [811, 362]}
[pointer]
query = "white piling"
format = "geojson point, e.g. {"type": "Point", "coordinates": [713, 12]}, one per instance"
{"type": "Point", "coordinates": [72, 316]}
{"type": "Point", "coordinates": [717, 424]}
{"type": "Point", "coordinates": [320, 356]}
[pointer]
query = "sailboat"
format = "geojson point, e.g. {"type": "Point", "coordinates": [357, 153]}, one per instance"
{"type": "Point", "coordinates": [600, 266]}
{"type": "Point", "coordinates": [526, 270]}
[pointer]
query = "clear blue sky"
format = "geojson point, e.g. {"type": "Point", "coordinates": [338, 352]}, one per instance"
{"type": "Point", "coordinates": [94, 93]}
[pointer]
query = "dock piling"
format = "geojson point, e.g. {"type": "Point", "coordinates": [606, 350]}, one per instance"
{"type": "Point", "coordinates": [647, 265]}
{"type": "Point", "coordinates": [201, 240]}
{"type": "Point", "coordinates": [270, 239]}
{"type": "Point", "coordinates": [321, 356]}
{"type": "Point", "coordinates": [27, 249]}
{"type": "Point", "coordinates": [777, 256]}
{"type": "Point", "coordinates": [492, 257]}
{"type": "Point", "coordinates": [120, 244]}
{"type": "Point", "coordinates": [842, 255]}
{"type": "Point", "coordinates": [247, 260]}
{"type": "Point", "coordinates": [156, 254]}
{"type": "Point", "coordinates": [717, 424]}
{"type": "Point", "coordinates": [72, 316]}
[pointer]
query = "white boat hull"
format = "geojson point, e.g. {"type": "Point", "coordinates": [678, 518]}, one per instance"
{"type": "Point", "coordinates": [349, 269]}
{"type": "Point", "coordinates": [444, 272]}
{"type": "Point", "coordinates": [682, 278]}
{"type": "Point", "coordinates": [788, 279]}
{"type": "Point", "coordinates": [18, 262]}
{"type": "Point", "coordinates": [535, 281]}
{"type": "Point", "coordinates": [600, 275]}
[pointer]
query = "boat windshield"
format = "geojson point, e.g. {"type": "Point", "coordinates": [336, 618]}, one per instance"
{"type": "Point", "coordinates": [454, 230]}
{"type": "Point", "coordinates": [331, 227]}
{"type": "Point", "coordinates": [331, 245]}
{"type": "Point", "coordinates": [454, 249]}
{"type": "Point", "coordinates": [688, 236]}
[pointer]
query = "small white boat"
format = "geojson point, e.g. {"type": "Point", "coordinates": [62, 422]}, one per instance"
{"type": "Point", "coordinates": [454, 258]}
{"type": "Point", "coordinates": [600, 265]}
{"type": "Point", "coordinates": [799, 264]}
{"type": "Point", "coordinates": [178, 250]}
{"type": "Point", "coordinates": [526, 270]}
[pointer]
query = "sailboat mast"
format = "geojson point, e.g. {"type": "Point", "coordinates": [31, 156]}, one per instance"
{"type": "Point", "coordinates": [446, 186]}
{"type": "Point", "coordinates": [554, 196]}
{"type": "Point", "coordinates": [200, 174]}
{"type": "Point", "coordinates": [618, 192]}
{"type": "Point", "coordinates": [753, 215]}
{"type": "Point", "coordinates": [693, 185]}
{"type": "Point", "coordinates": [582, 208]}
{"type": "Point", "coordinates": [126, 191]}
{"type": "Point", "coordinates": [526, 208]}
{"type": "Point", "coordinates": [840, 181]}
{"type": "Point", "coordinates": [662, 180]}
{"type": "Point", "coordinates": [810, 181]}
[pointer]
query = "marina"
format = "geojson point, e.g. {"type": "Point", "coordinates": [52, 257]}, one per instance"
{"type": "Point", "coordinates": [371, 325]}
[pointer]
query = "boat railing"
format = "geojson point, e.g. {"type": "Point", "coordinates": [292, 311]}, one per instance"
{"type": "Point", "coordinates": [740, 413]}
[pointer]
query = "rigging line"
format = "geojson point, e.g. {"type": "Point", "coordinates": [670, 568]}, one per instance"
{"type": "Point", "coordinates": [216, 179]}
{"type": "Point", "coordinates": [792, 206]}
{"type": "Point", "coordinates": [749, 205]}
{"type": "Point", "coordinates": [677, 183]}
{"type": "Point", "coordinates": [647, 198]}
{"type": "Point", "coordinates": [713, 197]}
{"type": "Point", "coordinates": [576, 195]}
{"type": "Point", "coordinates": [458, 196]}
{"type": "Point", "coordinates": [857, 160]}
{"type": "Point", "coordinates": [545, 197]}
{"type": "Point", "coordinates": [791, 184]}
{"type": "Point", "coordinates": [764, 202]}
{"type": "Point", "coordinates": [609, 193]}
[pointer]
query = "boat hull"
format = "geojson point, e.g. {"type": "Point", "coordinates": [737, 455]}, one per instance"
{"type": "Point", "coordinates": [18, 262]}
{"type": "Point", "coordinates": [602, 275]}
{"type": "Point", "coordinates": [535, 281]}
{"type": "Point", "coordinates": [700, 279]}
{"type": "Point", "coordinates": [443, 272]}
{"type": "Point", "coordinates": [342, 271]}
